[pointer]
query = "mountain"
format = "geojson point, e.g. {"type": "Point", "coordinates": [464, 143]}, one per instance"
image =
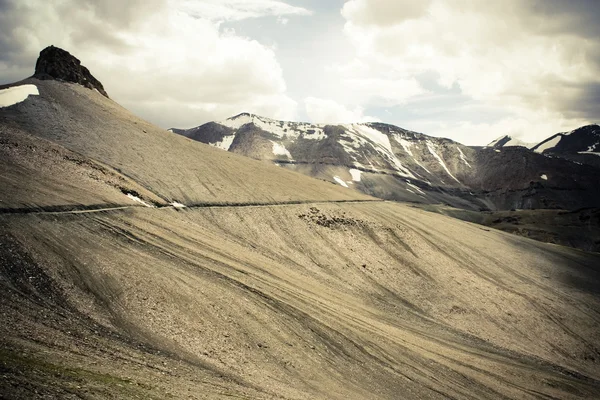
{"type": "Point", "coordinates": [508, 141]}
{"type": "Point", "coordinates": [392, 163]}
{"type": "Point", "coordinates": [581, 145]}
{"type": "Point", "coordinates": [135, 263]}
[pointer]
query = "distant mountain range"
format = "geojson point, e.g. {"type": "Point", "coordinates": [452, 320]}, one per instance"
{"type": "Point", "coordinates": [393, 163]}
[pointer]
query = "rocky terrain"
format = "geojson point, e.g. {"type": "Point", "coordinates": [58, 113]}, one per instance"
{"type": "Point", "coordinates": [395, 164]}
{"type": "Point", "coordinates": [58, 64]}
{"type": "Point", "coordinates": [165, 268]}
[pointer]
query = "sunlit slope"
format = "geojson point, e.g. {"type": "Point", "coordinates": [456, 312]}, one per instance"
{"type": "Point", "coordinates": [38, 174]}
{"type": "Point", "coordinates": [172, 167]}
{"type": "Point", "coordinates": [369, 300]}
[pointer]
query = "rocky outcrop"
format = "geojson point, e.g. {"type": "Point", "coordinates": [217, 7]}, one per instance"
{"type": "Point", "coordinates": [56, 63]}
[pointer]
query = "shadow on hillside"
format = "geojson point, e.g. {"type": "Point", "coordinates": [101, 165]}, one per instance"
{"type": "Point", "coordinates": [574, 268]}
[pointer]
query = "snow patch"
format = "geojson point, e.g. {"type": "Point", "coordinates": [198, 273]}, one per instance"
{"type": "Point", "coordinates": [549, 144]}
{"type": "Point", "coordinates": [361, 134]}
{"type": "Point", "coordinates": [516, 142]}
{"type": "Point", "coordinates": [238, 122]}
{"type": "Point", "coordinates": [225, 143]}
{"type": "Point", "coordinates": [340, 181]}
{"type": "Point", "coordinates": [510, 143]}
{"type": "Point", "coordinates": [177, 204]}
{"type": "Point", "coordinates": [431, 148]}
{"type": "Point", "coordinates": [280, 150]}
{"type": "Point", "coordinates": [544, 177]}
{"type": "Point", "coordinates": [372, 135]}
{"type": "Point", "coordinates": [16, 94]}
{"type": "Point", "coordinates": [497, 151]}
{"type": "Point", "coordinates": [462, 157]}
{"type": "Point", "coordinates": [589, 152]}
{"type": "Point", "coordinates": [137, 199]}
{"type": "Point", "coordinates": [355, 174]}
{"type": "Point", "coordinates": [280, 129]}
{"type": "Point", "coordinates": [414, 187]}
{"type": "Point", "coordinates": [406, 145]}
{"type": "Point", "coordinates": [592, 148]}
{"type": "Point", "coordinates": [495, 142]}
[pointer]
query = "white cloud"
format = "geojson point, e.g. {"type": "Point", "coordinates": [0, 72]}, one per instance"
{"type": "Point", "coordinates": [235, 10]}
{"type": "Point", "coordinates": [164, 63]}
{"type": "Point", "coordinates": [515, 64]}
{"type": "Point", "coordinates": [531, 128]}
{"type": "Point", "coordinates": [329, 111]}
{"type": "Point", "coordinates": [384, 12]}
{"type": "Point", "coordinates": [513, 55]}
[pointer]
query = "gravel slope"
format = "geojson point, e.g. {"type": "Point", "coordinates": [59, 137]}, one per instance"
{"type": "Point", "coordinates": [294, 301]}
{"type": "Point", "coordinates": [334, 297]}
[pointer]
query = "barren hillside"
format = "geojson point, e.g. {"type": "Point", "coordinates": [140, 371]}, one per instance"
{"type": "Point", "coordinates": [135, 263]}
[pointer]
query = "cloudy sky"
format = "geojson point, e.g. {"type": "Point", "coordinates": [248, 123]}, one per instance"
{"type": "Point", "coordinates": [471, 70]}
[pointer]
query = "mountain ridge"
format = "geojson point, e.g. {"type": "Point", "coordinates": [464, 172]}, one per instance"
{"type": "Point", "coordinates": [419, 168]}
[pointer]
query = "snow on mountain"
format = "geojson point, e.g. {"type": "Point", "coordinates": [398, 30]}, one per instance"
{"type": "Point", "coordinates": [581, 145]}
{"type": "Point", "coordinates": [278, 128]}
{"type": "Point", "coordinates": [431, 148]}
{"type": "Point", "coordinates": [462, 157]}
{"type": "Point", "coordinates": [548, 143]}
{"type": "Point", "coordinates": [373, 147]}
{"type": "Point", "coordinates": [576, 145]}
{"type": "Point", "coordinates": [225, 143]}
{"type": "Point", "coordinates": [280, 150]}
{"type": "Point", "coordinates": [355, 173]}
{"type": "Point", "coordinates": [16, 94]}
{"type": "Point", "coordinates": [397, 164]}
{"type": "Point", "coordinates": [508, 141]}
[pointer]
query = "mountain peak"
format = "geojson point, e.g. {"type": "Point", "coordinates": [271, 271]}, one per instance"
{"type": "Point", "coordinates": [243, 114]}
{"type": "Point", "coordinates": [56, 63]}
{"type": "Point", "coordinates": [591, 129]}
{"type": "Point", "coordinates": [508, 141]}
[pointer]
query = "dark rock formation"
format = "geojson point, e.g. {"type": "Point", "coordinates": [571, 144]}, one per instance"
{"type": "Point", "coordinates": [56, 63]}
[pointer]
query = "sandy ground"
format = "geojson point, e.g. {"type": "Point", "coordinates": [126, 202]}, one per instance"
{"type": "Point", "coordinates": [365, 300]}
{"type": "Point", "coordinates": [336, 296]}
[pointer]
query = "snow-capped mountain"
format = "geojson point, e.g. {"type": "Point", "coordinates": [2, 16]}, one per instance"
{"type": "Point", "coordinates": [397, 164]}
{"type": "Point", "coordinates": [509, 141]}
{"type": "Point", "coordinates": [373, 147]}
{"type": "Point", "coordinates": [581, 145]}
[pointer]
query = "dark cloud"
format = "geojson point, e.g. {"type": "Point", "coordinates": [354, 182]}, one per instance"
{"type": "Point", "coordinates": [581, 100]}
{"type": "Point", "coordinates": [575, 17]}
{"type": "Point", "coordinates": [10, 46]}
